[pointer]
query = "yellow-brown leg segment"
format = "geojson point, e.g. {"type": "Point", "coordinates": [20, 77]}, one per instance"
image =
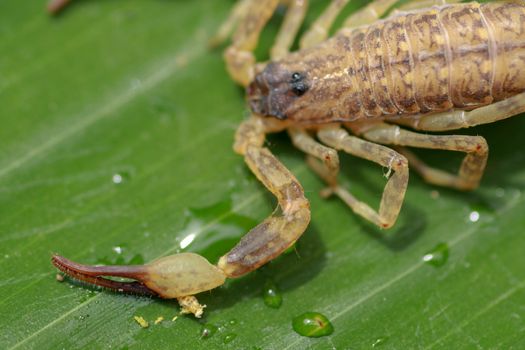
{"type": "Point", "coordinates": [251, 16]}
{"type": "Point", "coordinates": [323, 160]}
{"type": "Point", "coordinates": [396, 185]}
{"type": "Point", "coordinates": [278, 232]}
{"type": "Point", "coordinates": [318, 31]}
{"type": "Point", "coordinates": [291, 24]}
{"type": "Point", "coordinates": [421, 4]}
{"type": "Point", "coordinates": [369, 14]}
{"type": "Point", "coordinates": [470, 171]}
{"type": "Point", "coordinates": [458, 119]}
{"type": "Point", "coordinates": [225, 30]}
{"type": "Point", "coordinates": [239, 57]}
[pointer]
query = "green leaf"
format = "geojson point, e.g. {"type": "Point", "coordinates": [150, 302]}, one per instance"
{"type": "Point", "coordinates": [116, 134]}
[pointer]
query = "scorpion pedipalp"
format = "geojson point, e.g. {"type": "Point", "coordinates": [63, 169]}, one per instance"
{"type": "Point", "coordinates": [174, 276]}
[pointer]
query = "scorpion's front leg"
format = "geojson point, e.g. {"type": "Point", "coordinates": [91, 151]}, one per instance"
{"type": "Point", "coordinates": [251, 17]}
{"type": "Point", "coordinates": [183, 275]}
{"type": "Point", "coordinates": [278, 232]}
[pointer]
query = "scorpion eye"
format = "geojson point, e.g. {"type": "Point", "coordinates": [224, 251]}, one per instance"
{"type": "Point", "coordinates": [299, 89]}
{"type": "Point", "coordinates": [296, 77]}
{"type": "Point", "coordinates": [298, 85]}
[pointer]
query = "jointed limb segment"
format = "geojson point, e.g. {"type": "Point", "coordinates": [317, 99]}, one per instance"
{"type": "Point", "coordinates": [429, 174]}
{"type": "Point", "coordinates": [278, 232]}
{"type": "Point", "coordinates": [421, 4]}
{"type": "Point", "coordinates": [239, 57]}
{"type": "Point", "coordinates": [458, 119]}
{"type": "Point", "coordinates": [228, 26]}
{"type": "Point", "coordinates": [369, 14]}
{"type": "Point", "coordinates": [250, 17]}
{"type": "Point", "coordinates": [472, 166]}
{"type": "Point", "coordinates": [318, 31]}
{"type": "Point", "coordinates": [292, 22]}
{"type": "Point", "coordinates": [323, 160]}
{"type": "Point", "coordinates": [395, 187]}
{"type": "Point", "coordinates": [379, 8]}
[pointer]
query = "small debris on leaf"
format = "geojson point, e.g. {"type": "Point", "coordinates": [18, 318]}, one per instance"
{"type": "Point", "coordinates": [141, 321]}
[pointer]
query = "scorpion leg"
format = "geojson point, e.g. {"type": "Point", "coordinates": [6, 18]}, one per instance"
{"type": "Point", "coordinates": [471, 169]}
{"type": "Point", "coordinates": [227, 27]}
{"type": "Point", "coordinates": [240, 60]}
{"type": "Point", "coordinates": [318, 31]}
{"type": "Point", "coordinates": [458, 119]}
{"type": "Point", "coordinates": [279, 231]}
{"type": "Point", "coordinates": [369, 14]}
{"type": "Point", "coordinates": [291, 24]}
{"type": "Point", "coordinates": [395, 187]}
{"type": "Point", "coordinates": [323, 160]}
{"type": "Point", "coordinates": [421, 4]}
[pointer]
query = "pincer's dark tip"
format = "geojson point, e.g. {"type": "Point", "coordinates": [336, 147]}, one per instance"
{"type": "Point", "coordinates": [93, 275]}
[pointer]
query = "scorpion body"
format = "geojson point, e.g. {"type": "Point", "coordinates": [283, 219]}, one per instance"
{"type": "Point", "coordinates": [428, 61]}
{"type": "Point", "coordinates": [442, 68]}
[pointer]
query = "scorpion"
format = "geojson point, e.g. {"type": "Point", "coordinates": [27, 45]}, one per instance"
{"type": "Point", "coordinates": [429, 66]}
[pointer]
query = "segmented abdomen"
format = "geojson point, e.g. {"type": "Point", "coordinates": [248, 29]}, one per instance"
{"type": "Point", "coordinates": [456, 56]}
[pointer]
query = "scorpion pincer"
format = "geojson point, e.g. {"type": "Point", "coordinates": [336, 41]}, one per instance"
{"type": "Point", "coordinates": [374, 83]}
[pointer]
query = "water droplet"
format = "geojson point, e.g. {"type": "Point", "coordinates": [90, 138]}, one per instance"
{"type": "Point", "coordinates": [379, 342]}
{"type": "Point", "coordinates": [312, 324]}
{"type": "Point", "coordinates": [438, 256]}
{"type": "Point", "coordinates": [120, 177]}
{"type": "Point", "coordinates": [271, 295]}
{"type": "Point", "coordinates": [228, 338]}
{"type": "Point", "coordinates": [473, 216]}
{"type": "Point", "coordinates": [117, 249]}
{"type": "Point", "coordinates": [208, 330]}
{"type": "Point", "coordinates": [117, 178]}
{"type": "Point", "coordinates": [186, 241]}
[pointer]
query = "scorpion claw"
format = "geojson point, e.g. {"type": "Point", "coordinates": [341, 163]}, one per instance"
{"type": "Point", "coordinates": [174, 276]}
{"type": "Point", "coordinates": [93, 275]}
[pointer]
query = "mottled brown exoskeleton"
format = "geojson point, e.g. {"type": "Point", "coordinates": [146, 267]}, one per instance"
{"type": "Point", "coordinates": [374, 83]}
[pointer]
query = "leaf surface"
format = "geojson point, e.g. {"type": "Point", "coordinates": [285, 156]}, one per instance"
{"type": "Point", "coordinates": [117, 126]}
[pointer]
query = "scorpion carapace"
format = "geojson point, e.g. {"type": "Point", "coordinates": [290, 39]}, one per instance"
{"type": "Point", "coordinates": [275, 90]}
{"type": "Point", "coordinates": [442, 68]}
